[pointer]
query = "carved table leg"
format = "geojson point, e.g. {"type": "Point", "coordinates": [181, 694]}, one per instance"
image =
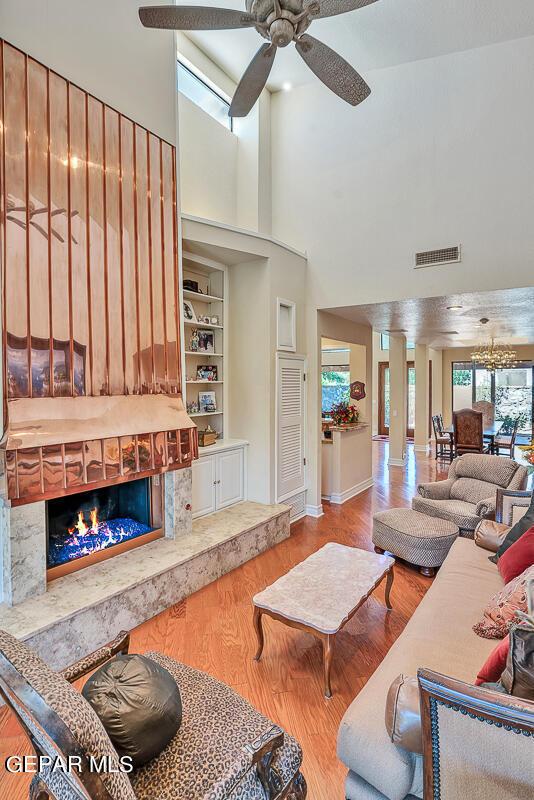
{"type": "Point", "coordinates": [389, 584]}
{"type": "Point", "coordinates": [328, 652]}
{"type": "Point", "coordinates": [258, 627]}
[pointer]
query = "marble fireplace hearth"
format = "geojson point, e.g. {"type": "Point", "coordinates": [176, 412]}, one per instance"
{"type": "Point", "coordinates": [79, 612]}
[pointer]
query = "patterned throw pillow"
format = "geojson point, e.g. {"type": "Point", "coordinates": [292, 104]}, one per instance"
{"type": "Point", "coordinates": [499, 614]}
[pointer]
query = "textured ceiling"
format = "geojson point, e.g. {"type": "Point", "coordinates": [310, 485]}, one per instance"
{"type": "Point", "coordinates": [428, 321]}
{"type": "Point", "coordinates": [384, 34]}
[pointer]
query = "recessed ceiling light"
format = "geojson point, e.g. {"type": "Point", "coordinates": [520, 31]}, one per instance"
{"type": "Point", "coordinates": [286, 86]}
{"type": "Point", "coordinates": [454, 308]}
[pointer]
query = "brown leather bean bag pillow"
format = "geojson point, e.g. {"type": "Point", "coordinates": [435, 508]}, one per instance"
{"type": "Point", "coordinates": [138, 703]}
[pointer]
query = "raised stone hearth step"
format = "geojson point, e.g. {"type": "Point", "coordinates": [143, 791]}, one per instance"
{"type": "Point", "coordinates": [83, 610]}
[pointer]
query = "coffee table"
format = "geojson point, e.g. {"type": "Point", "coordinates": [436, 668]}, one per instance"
{"type": "Point", "coordinates": [322, 593]}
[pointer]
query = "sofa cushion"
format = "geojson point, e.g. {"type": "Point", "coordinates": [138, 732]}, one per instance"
{"type": "Point", "coordinates": [439, 636]}
{"type": "Point", "coordinates": [489, 469]}
{"type": "Point", "coordinates": [518, 557]}
{"type": "Point", "coordinates": [458, 511]}
{"type": "Point", "coordinates": [472, 490]}
{"type": "Point", "coordinates": [499, 612]}
{"type": "Point", "coordinates": [493, 667]}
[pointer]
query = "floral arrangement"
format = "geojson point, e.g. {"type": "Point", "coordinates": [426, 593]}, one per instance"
{"type": "Point", "coordinates": [528, 450]}
{"type": "Point", "coordinates": [344, 414]}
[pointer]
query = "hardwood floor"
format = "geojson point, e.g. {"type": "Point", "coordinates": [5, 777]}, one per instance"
{"type": "Point", "coordinates": [212, 630]}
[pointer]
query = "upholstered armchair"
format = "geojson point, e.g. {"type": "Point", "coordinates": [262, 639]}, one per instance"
{"type": "Point", "coordinates": [223, 750]}
{"type": "Point", "coordinates": [470, 492]}
{"type": "Point", "coordinates": [476, 742]}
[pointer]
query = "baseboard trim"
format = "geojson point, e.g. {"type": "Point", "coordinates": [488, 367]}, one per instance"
{"type": "Point", "coordinates": [397, 462]}
{"type": "Point", "coordinates": [314, 511]}
{"type": "Point", "coordinates": [348, 494]}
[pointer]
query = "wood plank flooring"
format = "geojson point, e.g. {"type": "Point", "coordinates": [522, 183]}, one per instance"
{"type": "Point", "coordinates": [212, 630]}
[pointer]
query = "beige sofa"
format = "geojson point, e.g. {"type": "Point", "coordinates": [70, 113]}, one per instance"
{"type": "Point", "coordinates": [439, 636]}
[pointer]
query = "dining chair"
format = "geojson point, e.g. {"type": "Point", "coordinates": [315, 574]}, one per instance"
{"type": "Point", "coordinates": [488, 412]}
{"type": "Point", "coordinates": [468, 426]}
{"type": "Point", "coordinates": [506, 438]}
{"type": "Point", "coordinates": [444, 447]}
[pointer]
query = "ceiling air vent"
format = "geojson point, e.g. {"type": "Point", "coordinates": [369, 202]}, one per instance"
{"type": "Point", "coordinates": [431, 258]}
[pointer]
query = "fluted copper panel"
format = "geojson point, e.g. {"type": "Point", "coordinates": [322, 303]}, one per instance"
{"type": "Point", "coordinates": [88, 220]}
{"type": "Point", "coordinates": [160, 450]}
{"type": "Point", "coordinates": [144, 451]}
{"type": "Point", "coordinates": [129, 460]}
{"type": "Point", "coordinates": [53, 468]}
{"type": "Point", "coordinates": [112, 458]}
{"type": "Point", "coordinates": [29, 471]}
{"type": "Point", "coordinates": [17, 219]}
{"type": "Point", "coordinates": [143, 249]}
{"type": "Point", "coordinates": [113, 253]}
{"type": "Point", "coordinates": [129, 291]}
{"type": "Point", "coordinates": [158, 288]}
{"type": "Point", "coordinates": [39, 283]}
{"type": "Point", "coordinates": [74, 464]}
{"type": "Point", "coordinates": [169, 266]}
{"type": "Point", "coordinates": [90, 242]}
{"type": "Point", "coordinates": [94, 462]}
{"type": "Point", "coordinates": [59, 233]}
{"type": "Point", "coordinates": [99, 322]}
{"type": "Point", "coordinates": [77, 176]}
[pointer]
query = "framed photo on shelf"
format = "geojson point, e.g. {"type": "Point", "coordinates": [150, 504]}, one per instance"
{"type": "Point", "coordinates": [203, 320]}
{"type": "Point", "coordinates": [207, 372]}
{"type": "Point", "coordinates": [206, 342]}
{"type": "Point", "coordinates": [189, 312]}
{"type": "Point", "coordinates": [207, 401]}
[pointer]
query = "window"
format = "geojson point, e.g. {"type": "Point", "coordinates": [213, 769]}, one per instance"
{"type": "Point", "coordinates": [510, 390]}
{"type": "Point", "coordinates": [200, 93]}
{"type": "Point", "coordinates": [384, 342]}
{"type": "Point", "coordinates": [335, 385]}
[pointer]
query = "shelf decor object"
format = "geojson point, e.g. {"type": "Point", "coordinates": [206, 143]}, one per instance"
{"type": "Point", "coordinates": [205, 291]}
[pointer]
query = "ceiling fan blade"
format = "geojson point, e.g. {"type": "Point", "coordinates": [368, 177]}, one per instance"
{"type": "Point", "coordinates": [329, 8]}
{"type": "Point", "coordinates": [333, 70]}
{"type": "Point", "coordinates": [253, 81]}
{"type": "Point", "coordinates": [194, 18]}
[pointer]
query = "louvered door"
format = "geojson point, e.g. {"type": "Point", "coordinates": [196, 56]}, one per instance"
{"type": "Point", "coordinates": [291, 427]}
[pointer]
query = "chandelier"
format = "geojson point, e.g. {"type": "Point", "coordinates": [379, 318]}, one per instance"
{"type": "Point", "coordinates": [492, 356]}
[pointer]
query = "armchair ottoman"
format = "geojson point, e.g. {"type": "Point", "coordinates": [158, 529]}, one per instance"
{"type": "Point", "coordinates": [470, 492]}
{"type": "Point", "coordinates": [224, 749]}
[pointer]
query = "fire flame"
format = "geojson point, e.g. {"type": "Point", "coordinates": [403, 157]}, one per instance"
{"type": "Point", "coordinates": [81, 526]}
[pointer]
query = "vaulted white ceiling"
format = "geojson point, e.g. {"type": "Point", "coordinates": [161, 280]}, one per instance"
{"type": "Point", "coordinates": [384, 34]}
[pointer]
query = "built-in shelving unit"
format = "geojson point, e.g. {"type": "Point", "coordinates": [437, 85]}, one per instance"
{"type": "Point", "coordinates": [208, 302]}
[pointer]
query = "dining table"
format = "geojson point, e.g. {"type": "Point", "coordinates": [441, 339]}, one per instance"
{"type": "Point", "coordinates": [490, 433]}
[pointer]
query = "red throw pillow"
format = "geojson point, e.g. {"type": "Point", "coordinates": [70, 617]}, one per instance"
{"type": "Point", "coordinates": [495, 663]}
{"type": "Point", "coordinates": [518, 557]}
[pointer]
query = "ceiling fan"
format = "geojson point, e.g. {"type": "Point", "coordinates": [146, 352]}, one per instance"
{"type": "Point", "coordinates": [280, 22]}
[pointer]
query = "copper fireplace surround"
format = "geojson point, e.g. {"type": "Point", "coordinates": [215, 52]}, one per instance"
{"type": "Point", "coordinates": [91, 319]}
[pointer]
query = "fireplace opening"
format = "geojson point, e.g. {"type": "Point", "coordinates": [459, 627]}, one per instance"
{"type": "Point", "coordinates": [91, 526]}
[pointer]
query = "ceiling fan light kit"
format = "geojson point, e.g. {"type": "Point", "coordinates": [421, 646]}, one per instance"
{"type": "Point", "coordinates": [280, 22]}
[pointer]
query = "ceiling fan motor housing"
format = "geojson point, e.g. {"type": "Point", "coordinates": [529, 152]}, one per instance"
{"type": "Point", "coordinates": [280, 28]}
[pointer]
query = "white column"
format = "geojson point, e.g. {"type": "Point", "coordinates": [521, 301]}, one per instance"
{"type": "Point", "coordinates": [398, 405]}
{"type": "Point", "coordinates": [422, 409]}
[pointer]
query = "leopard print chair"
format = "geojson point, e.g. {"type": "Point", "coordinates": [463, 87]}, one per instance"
{"type": "Point", "coordinates": [224, 749]}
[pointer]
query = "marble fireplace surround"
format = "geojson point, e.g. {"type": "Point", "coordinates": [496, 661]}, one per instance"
{"type": "Point", "coordinates": [85, 609]}
{"type": "Point", "coordinates": [23, 535]}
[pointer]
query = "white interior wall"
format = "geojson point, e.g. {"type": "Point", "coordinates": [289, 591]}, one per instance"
{"type": "Point", "coordinates": [225, 175]}
{"type": "Point", "coordinates": [102, 47]}
{"type": "Point", "coordinates": [440, 154]}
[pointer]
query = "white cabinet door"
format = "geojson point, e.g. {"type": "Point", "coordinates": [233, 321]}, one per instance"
{"type": "Point", "coordinates": [229, 477]}
{"type": "Point", "coordinates": [204, 477]}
